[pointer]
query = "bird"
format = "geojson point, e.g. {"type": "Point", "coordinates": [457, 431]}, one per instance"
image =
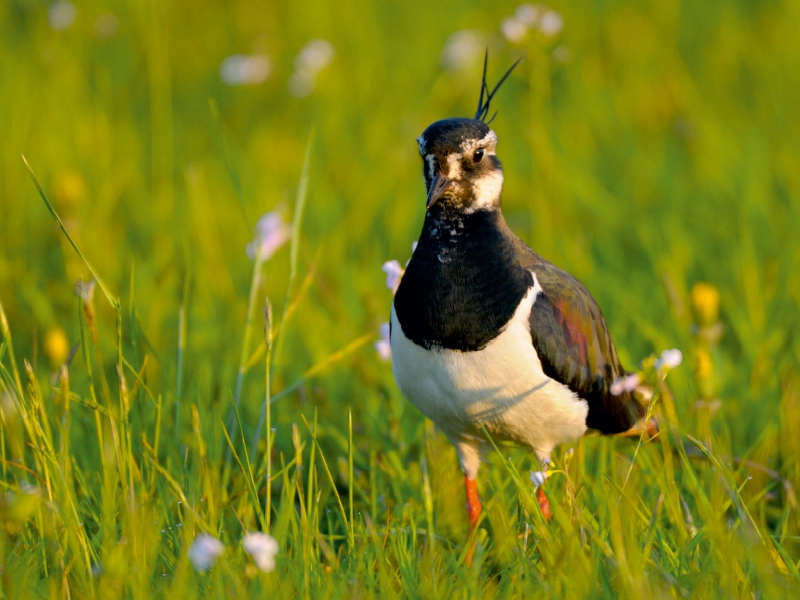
{"type": "Point", "coordinates": [488, 339]}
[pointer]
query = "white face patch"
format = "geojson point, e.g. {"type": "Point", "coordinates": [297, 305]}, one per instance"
{"type": "Point", "coordinates": [487, 191]}
{"type": "Point", "coordinates": [431, 160]}
{"type": "Point", "coordinates": [421, 142]}
{"type": "Point", "coordinates": [454, 165]}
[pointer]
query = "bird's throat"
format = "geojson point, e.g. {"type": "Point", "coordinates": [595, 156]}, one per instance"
{"type": "Point", "coordinates": [463, 283]}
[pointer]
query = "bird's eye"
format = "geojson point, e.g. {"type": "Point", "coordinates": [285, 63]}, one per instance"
{"type": "Point", "coordinates": [478, 156]}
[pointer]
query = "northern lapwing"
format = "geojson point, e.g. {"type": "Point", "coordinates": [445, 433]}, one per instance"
{"type": "Point", "coordinates": [488, 336]}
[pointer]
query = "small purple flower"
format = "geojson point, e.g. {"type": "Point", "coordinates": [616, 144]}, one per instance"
{"type": "Point", "coordinates": [394, 273]}
{"type": "Point", "coordinates": [669, 359]}
{"type": "Point", "coordinates": [204, 551]}
{"type": "Point", "coordinates": [383, 346]}
{"type": "Point", "coordinates": [626, 383]}
{"type": "Point", "coordinates": [538, 478]}
{"type": "Point", "coordinates": [271, 233]}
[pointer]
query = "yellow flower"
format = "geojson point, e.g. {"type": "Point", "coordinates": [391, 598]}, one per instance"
{"type": "Point", "coordinates": [69, 190]}
{"type": "Point", "coordinates": [56, 346]}
{"type": "Point", "coordinates": [705, 302]}
{"type": "Point", "coordinates": [704, 367]}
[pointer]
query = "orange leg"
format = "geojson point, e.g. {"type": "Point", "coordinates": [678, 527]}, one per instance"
{"type": "Point", "coordinates": [544, 503]}
{"type": "Point", "coordinates": [473, 511]}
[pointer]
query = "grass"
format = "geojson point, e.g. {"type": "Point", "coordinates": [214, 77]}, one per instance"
{"type": "Point", "coordinates": [648, 147]}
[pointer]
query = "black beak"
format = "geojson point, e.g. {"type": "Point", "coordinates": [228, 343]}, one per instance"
{"type": "Point", "coordinates": [438, 187]}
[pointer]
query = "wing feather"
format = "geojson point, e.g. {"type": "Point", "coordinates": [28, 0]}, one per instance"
{"type": "Point", "coordinates": [574, 346]}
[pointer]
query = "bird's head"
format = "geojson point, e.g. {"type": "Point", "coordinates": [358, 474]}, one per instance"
{"type": "Point", "coordinates": [460, 165]}
{"type": "Point", "coordinates": [459, 159]}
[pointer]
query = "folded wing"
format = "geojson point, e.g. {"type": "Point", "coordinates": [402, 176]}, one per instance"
{"type": "Point", "coordinates": [574, 346]}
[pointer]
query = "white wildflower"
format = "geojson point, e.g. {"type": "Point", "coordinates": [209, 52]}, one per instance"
{"type": "Point", "coordinates": [551, 23]}
{"type": "Point", "coordinates": [394, 273]}
{"type": "Point", "coordinates": [243, 69]}
{"type": "Point", "coordinates": [514, 30]}
{"type": "Point", "coordinates": [384, 346]}
{"type": "Point", "coordinates": [528, 14]}
{"type": "Point", "coordinates": [538, 478]}
{"type": "Point", "coordinates": [462, 49]}
{"type": "Point", "coordinates": [312, 58]}
{"type": "Point", "coordinates": [315, 56]}
{"type": "Point", "coordinates": [262, 547]}
{"type": "Point", "coordinates": [271, 233]}
{"type": "Point", "coordinates": [61, 15]}
{"type": "Point", "coordinates": [626, 383]}
{"type": "Point", "coordinates": [204, 551]}
{"type": "Point", "coordinates": [105, 26]}
{"type": "Point", "coordinates": [669, 359]}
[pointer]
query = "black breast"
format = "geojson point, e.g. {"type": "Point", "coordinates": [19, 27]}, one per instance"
{"type": "Point", "coordinates": [463, 283]}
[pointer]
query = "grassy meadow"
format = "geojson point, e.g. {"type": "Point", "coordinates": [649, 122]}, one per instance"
{"type": "Point", "coordinates": [650, 148]}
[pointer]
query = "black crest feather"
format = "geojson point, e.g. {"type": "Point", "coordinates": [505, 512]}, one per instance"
{"type": "Point", "coordinates": [483, 108]}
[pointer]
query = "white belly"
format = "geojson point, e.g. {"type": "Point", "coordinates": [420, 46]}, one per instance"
{"type": "Point", "coordinates": [501, 387]}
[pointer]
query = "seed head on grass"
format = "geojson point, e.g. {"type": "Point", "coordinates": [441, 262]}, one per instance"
{"type": "Point", "coordinates": [85, 291]}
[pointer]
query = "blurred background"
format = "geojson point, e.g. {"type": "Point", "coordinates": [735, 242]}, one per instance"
{"type": "Point", "coordinates": [651, 148]}
{"type": "Point", "coordinates": [648, 146]}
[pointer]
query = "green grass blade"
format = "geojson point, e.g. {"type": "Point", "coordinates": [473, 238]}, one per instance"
{"type": "Point", "coordinates": [109, 296]}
